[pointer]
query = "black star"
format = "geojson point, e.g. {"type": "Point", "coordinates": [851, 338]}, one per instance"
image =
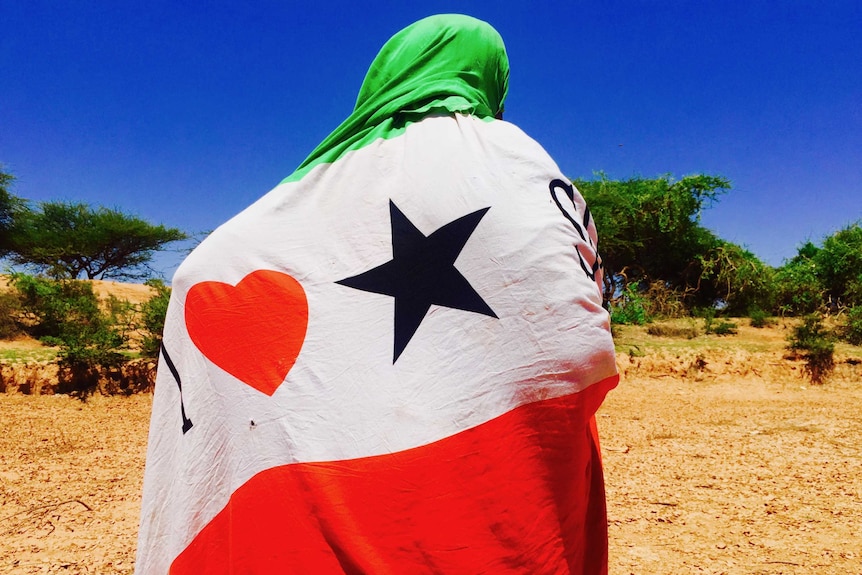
{"type": "Point", "coordinates": [422, 273]}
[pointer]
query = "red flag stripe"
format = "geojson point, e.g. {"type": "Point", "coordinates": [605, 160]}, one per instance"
{"type": "Point", "coordinates": [522, 493]}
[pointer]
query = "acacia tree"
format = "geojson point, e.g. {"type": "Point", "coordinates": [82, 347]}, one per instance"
{"type": "Point", "coordinates": [735, 276]}
{"type": "Point", "coordinates": [654, 247]}
{"type": "Point", "coordinates": [650, 228]}
{"type": "Point", "coordinates": [799, 288]}
{"type": "Point", "coordinates": [9, 206]}
{"type": "Point", "coordinates": [824, 277]}
{"type": "Point", "coordinates": [68, 240]}
{"type": "Point", "coordinates": [839, 266]}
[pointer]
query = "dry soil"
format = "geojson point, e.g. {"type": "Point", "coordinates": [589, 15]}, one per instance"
{"type": "Point", "coordinates": [714, 464]}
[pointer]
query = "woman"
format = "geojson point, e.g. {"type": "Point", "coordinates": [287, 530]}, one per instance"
{"type": "Point", "coordinates": [391, 362]}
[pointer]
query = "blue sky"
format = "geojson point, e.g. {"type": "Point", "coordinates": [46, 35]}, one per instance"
{"type": "Point", "coordinates": [184, 113]}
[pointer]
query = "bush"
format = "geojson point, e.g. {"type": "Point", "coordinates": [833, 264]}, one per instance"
{"type": "Point", "coordinates": [10, 312]}
{"type": "Point", "coordinates": [852, 329]}
{"type": "Point", "coordinates": [815, 343]}
{"type": "Point", "coordinates": [839, 266]}
{"type": "Point", "coordinates": [708, 315]}
{"type": "Point", "coordinates": [723, 327]}
{"type": "Point", "coordinates": [798, 288]}
{"type": "Point", "coordinates": [662, 301]}
{"type": "Point", "coordinates": [122, 315]}
{"type": "Point", "coordinates": [153, 313]}
{"type": "Point", "coordinates": [759, 318]}
{"type": "Point", "coordinates": [629, 307]}
{"type": "Point", "coordinates": [66, 314]}
{"type": "Point", "coordinates": [735, 277]}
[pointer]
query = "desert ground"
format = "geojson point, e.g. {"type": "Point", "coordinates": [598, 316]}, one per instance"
{"type": "Point", "coordinates": [720, 457]}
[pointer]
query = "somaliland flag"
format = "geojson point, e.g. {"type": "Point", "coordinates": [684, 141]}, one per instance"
{"type": "Point", "coordinates": [391, 362]}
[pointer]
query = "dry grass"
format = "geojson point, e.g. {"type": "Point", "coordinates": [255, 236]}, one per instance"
{"type": "Point", "coordinates": [747, 338]}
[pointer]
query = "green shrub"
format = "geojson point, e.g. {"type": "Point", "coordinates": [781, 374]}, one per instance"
{"type": "Point", "coordinates": [852, 329]}
{"type": "Point", "coordinates": [66, 314]}
{"type": "Point", "coordinates": [704, 312]}
{"type": "Point", "coordinates": [736, 277]}
{"type": "Point", "coordinates": [839, 266]}
{"type": "Point", "coordinates": [708, 315]}
{"type": "Point", "coordinates": [815, 343]}
{"type": "Point", "coordinates": [153, 318]}
{"type": "Point", "coordinates": [799, 289]}
{"type": "Point", "coordinates": [722, 327]}
{"type": "Point", "coordinates": [122, 315]}
{"type": "Point", "coordinates": [10, 313]}
{"type": "Point", "coordinates": [759, 318]}
{"type": "Point", "coordinates": [629, 307]}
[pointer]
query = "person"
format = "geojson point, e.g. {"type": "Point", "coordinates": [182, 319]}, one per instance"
{"type": "Point", "coordinates": [391, 362]}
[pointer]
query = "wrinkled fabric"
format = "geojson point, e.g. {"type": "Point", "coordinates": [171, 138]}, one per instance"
{"type": "Point", "coordinates": [442, 64]}
{"type": "Point", "coordinates": [391, 362]}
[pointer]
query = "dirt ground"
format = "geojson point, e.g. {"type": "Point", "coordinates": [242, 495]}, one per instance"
{"type": "Point", "coordinates": [733, 476]}
{"type": "Point", "coordinates": [70, 482]}
{"type": "Point", "coordinates": [706, 474]}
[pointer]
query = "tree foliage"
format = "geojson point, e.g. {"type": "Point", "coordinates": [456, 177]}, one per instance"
{"type": "Point", "coordinates": [629, 308]}
{"type": "Point", "coordinates": [6, 180]}
{"type": "Point", "coordinates": [9, 206]}
{"type": "Point", "coordinates": [737, 278]}
{"type": "Point", "coordinates": [153, 312]}
{"type": "Point", "coordinates": [90, 333]}
{"type": "Point", "coordinates": [798, 287]}
{"type": "Point", "coordinates": [651, 235]}
{"type": "Point", "coordinates": [67, 314]}
{"type": "Point", "coordinates": [852, 329]}
{"type": "Point", "coordinates": [69, 240]}
{"type": "Point", "coordinates": [824, 278]}
{"type": "Point", "coordinates": [839, 266]}
{"type": "Point", "coordinates": [650, 229]}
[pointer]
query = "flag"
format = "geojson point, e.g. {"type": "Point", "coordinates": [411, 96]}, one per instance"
{"type": "Point", "coordinates": [391, 362]}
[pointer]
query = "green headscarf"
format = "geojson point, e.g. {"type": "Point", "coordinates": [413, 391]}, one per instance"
{"type": "Point", "coordinates": [441, 64]}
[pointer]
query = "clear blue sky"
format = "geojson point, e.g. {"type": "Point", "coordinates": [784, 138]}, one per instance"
{"type": "Point", "coordinates": [184, 113]}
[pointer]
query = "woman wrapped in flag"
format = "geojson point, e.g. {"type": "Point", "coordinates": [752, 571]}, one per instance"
{"type": "Point", "coordinates": [391, 362]}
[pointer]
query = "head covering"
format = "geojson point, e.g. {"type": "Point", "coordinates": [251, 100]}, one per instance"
{"type": "Point", "coordinates": [441, 64]}
{"type": "Point", "coordinates": [390, 363]}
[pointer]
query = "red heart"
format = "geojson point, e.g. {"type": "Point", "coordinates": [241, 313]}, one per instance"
{"type": "Point", "coordinates": [253, 331]}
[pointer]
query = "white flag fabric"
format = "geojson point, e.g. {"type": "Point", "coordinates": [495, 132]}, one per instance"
{"type": "Point", "coordinates": [390, 363]}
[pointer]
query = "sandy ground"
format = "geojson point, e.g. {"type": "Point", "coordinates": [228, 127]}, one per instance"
{"type": "Point", "coordinates": [70, 482]}
{"type": "Point", "coordinates": [737, 476]}
{"type": "Point", "coordinates": [713, 476]}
